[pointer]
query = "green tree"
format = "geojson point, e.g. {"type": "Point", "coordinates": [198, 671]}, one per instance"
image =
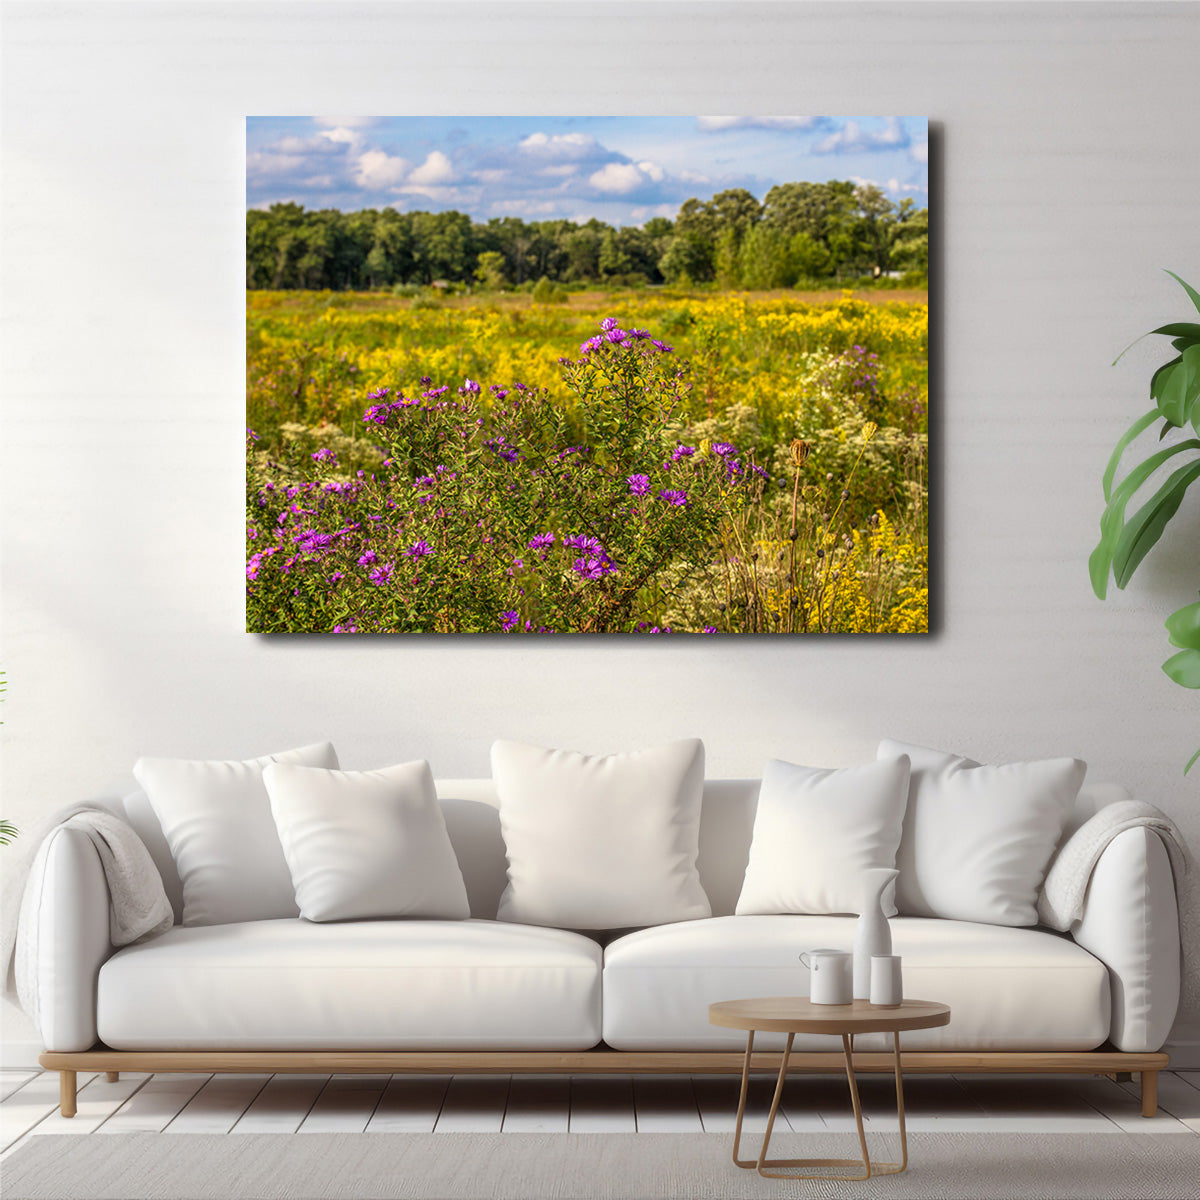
{"type": "Point", "coordinates": [489, 270]}
{"type": "Point", "coordinates": [613, 259]}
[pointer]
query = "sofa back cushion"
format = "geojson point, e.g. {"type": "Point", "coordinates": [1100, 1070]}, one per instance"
{"type": "Point", "coordinates": [978, 838]}
{"type": "Point", "coordinates": [217, 820]}
{"type": "Point", "coordinates": [471, 809]}
{"type": "Point", "coordinates": [601, 841]}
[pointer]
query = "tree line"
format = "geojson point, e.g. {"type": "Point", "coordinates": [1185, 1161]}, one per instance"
{"type": "Point", "coordinates": [799, 232]}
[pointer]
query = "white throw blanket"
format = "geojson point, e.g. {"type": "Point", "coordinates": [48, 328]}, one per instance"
{"type": "Point", "coordinates": [138, 907]}
{"type": "Point", "coordinates": [1066, 885]}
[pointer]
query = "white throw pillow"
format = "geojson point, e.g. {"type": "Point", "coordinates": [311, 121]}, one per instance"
{"type": "Point", "coordinates": [366, 843]}
{"type": "Point", "coordinates": [216, 817]}
{"type": "Point", "coordinates": [816, 832]}
{"type": "Point", "coordinates": [977, 839]}
{"type": "Point", "coordinates": [601, 842]}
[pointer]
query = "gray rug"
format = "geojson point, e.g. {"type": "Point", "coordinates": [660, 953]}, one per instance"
{"type": "Point", "coordinates": [642, 1166]}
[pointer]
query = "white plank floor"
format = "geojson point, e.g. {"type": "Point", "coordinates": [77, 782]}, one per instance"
{"type": "Point", "coordinates": [182, 1104]}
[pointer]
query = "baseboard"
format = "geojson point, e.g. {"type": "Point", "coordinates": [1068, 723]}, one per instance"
{"type": "Point", "coordinates": [1184, 1046]}
{"type": "Point", "coordinates": [20, 1056]}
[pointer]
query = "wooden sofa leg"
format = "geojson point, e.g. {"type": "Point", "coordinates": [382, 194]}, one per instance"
{"type": "Point", "coordinates": [1149, 1093]}
{"type": "Point", "coordinates": [66, 1093]}
{"type": "Point", "coordinates": [113, 1076]}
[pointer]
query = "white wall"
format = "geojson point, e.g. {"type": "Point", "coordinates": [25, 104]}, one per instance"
{"type": "Point", "coordinates": [1070, 159]}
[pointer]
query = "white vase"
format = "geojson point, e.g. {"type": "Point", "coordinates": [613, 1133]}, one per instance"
{"type": "Point", "coordinates": [873, 934]}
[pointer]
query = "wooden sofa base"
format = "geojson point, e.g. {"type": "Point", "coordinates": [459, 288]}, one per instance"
{"type": "Point", "coordinates": [591, 1062]}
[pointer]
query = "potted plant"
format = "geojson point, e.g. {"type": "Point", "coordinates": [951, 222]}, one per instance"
{"type": "Point", "coordinates": [1125, 540]}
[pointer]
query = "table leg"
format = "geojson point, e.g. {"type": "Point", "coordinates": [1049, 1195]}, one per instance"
{"type": "Point", "coordinates": [737, 1129]}
{"type": "Point", "coordinates": [783, 1066]}
{"type": "Point", "coordinates": [863, 1165]}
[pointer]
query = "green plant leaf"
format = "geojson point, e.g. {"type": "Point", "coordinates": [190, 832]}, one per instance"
{"type": "Point", "coordinates": [1183, 627]}
{"type": "Point", "coordinates": [1178, 329]}
{"type": "Point", "coordinates": [1187, 287]}
{"type": "Point", "coordinates": [1172, 391]}
{"type": "Point", "coordinates": [1191, 397]}
{"type": "Point", "coordinates": [1112, 520]}
{"type": "Point", "coordinates": [1191, 762]}
{"type": "Point", "coordinates": [1184, 668]}
{"type": "Point", "coordinates": [1146, 525]}
{"type": "Point", "coordinates": [1162, 374]}
{"type": "Point", "coordinates": [1141, 424]}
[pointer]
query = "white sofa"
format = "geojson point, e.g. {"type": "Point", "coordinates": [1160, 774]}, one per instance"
{"type": "Point", "coordinates": [481, 995]}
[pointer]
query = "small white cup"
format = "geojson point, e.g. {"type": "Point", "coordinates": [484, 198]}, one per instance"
{"type": "Point", "coordinates": [830, 978]}
{"type": "Point", "coordinates": [887, 986]}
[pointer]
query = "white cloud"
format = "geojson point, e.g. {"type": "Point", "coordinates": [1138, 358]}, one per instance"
{"type": "Point", "coordinates": [720, 124]}
{"type": "Point", "coordinates": [377, 170]}
{"type": "Point", "coordinates": [436, 171]}
{"type": "Point", "coordinates": [894, 186]}
{"type": "Point", "coordinates": [559, 170]}
{"type": "Point", "coordinates": [351, 137]}
{"type": "Point", "coordinates": [694, 177]}
{"type": "Point", "coordinates": [919, 152]}
{"type": "Point", "coordinates": [853, 139]}
{"type": "Point", "coordinates": [559, 145]}
{"type": "Point", "coordinates": [641, 213]}
{"type": "Point", "coordinates": [617, 178]}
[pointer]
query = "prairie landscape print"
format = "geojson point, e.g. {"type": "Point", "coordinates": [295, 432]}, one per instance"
{"type": "Point", "coordinates": [552, 375]}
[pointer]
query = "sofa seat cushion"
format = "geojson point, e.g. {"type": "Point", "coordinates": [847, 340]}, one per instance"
{"type": "Point", "coordinates": [1008, 988]}
{"type": "Point", "coordinates": [367, 985]}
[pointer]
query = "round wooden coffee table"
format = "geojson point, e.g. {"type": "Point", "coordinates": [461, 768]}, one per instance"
{"type": "Point", "coordinates": [797, 1014]}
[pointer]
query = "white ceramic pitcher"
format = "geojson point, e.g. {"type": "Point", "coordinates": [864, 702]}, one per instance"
{"type": "Point", "coordinates": [829, 975]}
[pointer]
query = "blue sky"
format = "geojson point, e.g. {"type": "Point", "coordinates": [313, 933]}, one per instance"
{"type": "Point", "coordinates": [623, 170]}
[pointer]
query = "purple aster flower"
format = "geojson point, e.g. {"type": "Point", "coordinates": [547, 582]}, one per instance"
{"type": "Point", "coordinates": [580, 541]}
{"type": "Point", "coordinates": [367, 559]}
{"type": "Point", "coordinates": [312, 542]}
{"type": "Point", "coordinates": [325, 455]}
{"type": "Point", "coordinates": [639, 485]}
{"type": "Point", "coordinates": [253, 565]}
{"type": "Point", "coordinates": [509, 619]}
{"type": "Point", "coordinates": [709, 629]}
{"type": "Point", "coordinates": [723, 448]}
{"type": "Point", "coordinates": [609, 323]}
{"type": "Point", "coordinates": [681, 451]}
{"type": "Point", "coordinates": [469, 388]}
{"type": "Point", "coordinates": [381, 575]}
{"type": "Point", "coordinates": [676, 497]}
{"type": "Point", "coordinates": [618, 337]}
{"type": "Point", "coordinates": [662, 347]}
{"type": "Point", "coordinates": [640, 335]}
{"type": "Point", "coordinates": [380, 394]}
{"type": "Point", "coordinates": [350, 628]}
{"type": "Point", "coordinates": [251, 435]}
{"type": "Point", "coordinates": [593, 343]}
{"type": "Point", "coordinates": [593, 567]}
{"type": "Point", "coordinates": [377, 414]}
{"type": "Point", "coordinates": [419, 549]}
{"type": "Point", "coordinates": [541, 541]}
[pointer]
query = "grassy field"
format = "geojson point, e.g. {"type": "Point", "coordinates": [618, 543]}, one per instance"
{"type": "Point", "coordinates": [764, 472]}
